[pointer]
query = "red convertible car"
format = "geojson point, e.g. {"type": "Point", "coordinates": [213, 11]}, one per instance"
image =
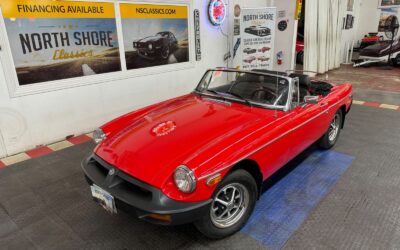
{"type": "Point", "coordinates": [203, 157]}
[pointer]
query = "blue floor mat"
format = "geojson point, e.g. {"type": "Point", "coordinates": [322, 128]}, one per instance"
{"type": "Point", "coordinates": [286, 204]}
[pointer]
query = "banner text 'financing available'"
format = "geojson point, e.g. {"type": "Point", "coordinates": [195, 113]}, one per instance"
{"type": "Point", "coordinates": [34, 8]}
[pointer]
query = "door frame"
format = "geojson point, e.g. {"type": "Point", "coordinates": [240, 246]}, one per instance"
{"type": "Point", "coordinates": [3, 151]}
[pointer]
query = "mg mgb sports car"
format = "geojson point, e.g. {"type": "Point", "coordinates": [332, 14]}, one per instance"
{"type": "Point", "coordinates": [201, 158]}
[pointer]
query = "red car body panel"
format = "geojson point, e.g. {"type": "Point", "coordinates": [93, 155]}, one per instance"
{"type": "Point", "coordinates": [210, 136]}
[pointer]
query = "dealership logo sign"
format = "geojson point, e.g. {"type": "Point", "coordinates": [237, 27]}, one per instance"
{"type": "Point", "coordinates": [217, 12]}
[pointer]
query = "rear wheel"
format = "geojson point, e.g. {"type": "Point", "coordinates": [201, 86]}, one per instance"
{"type": "Point", "coordinates": [329, 139]}
{"type": "Point", "coordinates": [232, 205]}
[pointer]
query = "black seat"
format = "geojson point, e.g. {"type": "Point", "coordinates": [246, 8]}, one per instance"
{"type": "Point", "coordinates": [304, 85]}
{"type": "Point", "coordinates": [304, 80]}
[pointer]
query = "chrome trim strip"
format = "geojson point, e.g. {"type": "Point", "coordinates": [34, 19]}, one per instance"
{"type": "Point", "coordinates": [274, 140]}
{"type": "Point", "coordinates": [218, 101]}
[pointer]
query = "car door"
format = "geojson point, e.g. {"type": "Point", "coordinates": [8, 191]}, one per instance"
{"type": "Point", "coordinates": [310, 122]}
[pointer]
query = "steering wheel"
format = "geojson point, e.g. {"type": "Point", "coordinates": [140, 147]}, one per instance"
{"type": "Point", "coordinates": [269, 95]}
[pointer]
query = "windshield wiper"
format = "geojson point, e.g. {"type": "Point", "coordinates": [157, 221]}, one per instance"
{"type": "Point", "coordinates": [214, 92]}
{"type": "Point", "coordinates": [240, 97]}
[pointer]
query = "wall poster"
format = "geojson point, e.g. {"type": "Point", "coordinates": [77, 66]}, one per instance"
{"type": "Point", "coordinates": [54, 40]}
{"type": "Point", "coordinates": [258, 35]}
{"type": "Point", "coordinates": [154, 34]}
{"type": "Point", "coordinates": [389, 3]}
{"type": "Point", "coordinates": [386, 14]}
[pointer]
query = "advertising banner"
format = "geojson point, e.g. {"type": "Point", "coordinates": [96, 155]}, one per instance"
{"type": "Point", "coordinates": [54, 40]}
{"type": "Point", "coordinates": [258, 35]}
{"type": "Point", "coordinates": [154, 34]}
{"type": "Point", "coordinates": [389, 3]}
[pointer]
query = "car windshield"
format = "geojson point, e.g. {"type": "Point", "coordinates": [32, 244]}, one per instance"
{"type": "Point", "coordinates": [270, 91]}
{"type": "Point", "coordinates": [162, 34]}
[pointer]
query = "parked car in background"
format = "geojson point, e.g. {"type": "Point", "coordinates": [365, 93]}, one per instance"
{"type": "Point", "coordinates": [159, 46]}
{"type": "Point", "coordinates": [249, 51]}
{"type": "Point", "coordinates": [258, 31]}
{"type": "Point", "coordinates": [203, 157]}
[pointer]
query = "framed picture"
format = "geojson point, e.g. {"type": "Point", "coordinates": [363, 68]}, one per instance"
{"type": "Point", "coordinates": [389, 3]}
{"type": "Point", "coordinates": [154, 34]}
{"type": "Point", "coordinates": [349, 22]}
{"type": "Point", "coordinates": [74, 43]}
{"type": "Point", "coordinates": [386, 13]}
{"type": "Point", "coordinates": [65, 43]}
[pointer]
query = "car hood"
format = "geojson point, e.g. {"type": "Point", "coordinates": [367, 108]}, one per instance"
{"type": "Point", "coordinates": [150, 146]}
{"type": "Point", "coordinates": [149, 39]}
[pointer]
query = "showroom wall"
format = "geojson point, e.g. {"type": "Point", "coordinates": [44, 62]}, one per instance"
{"type": "Point", "coordinates": [350, 35]}
{"type": "Point", "coordinates": [28, 120]}
{"type": "Point", "coordinates": [369, 18]}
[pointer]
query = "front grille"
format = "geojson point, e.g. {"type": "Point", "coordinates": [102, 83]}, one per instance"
{"type": "Point", "coordinates": [102, 169]}
{"type": "Point", "coordinates": [140, 45]}
{"type": "Point", "coordinates": [125, 181]}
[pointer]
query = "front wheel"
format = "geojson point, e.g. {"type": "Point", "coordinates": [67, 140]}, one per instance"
{"type": "Point", "coordinates": [233, 202]}
{"type": "Point", "coordinates": [329, 139]}
{"type": "Point", "coordinates": [165, 52]}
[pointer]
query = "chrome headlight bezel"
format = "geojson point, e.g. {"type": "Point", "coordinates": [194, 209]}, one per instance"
{"type": "Point", "coordinates": [98, 136]}
{"type": "Point", "coordinates": [184, 179]}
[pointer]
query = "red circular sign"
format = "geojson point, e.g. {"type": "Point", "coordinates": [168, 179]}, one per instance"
{"type": "Point", "coordinates": [217, 12]}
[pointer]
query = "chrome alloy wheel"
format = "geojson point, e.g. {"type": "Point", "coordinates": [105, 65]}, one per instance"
{"type": "Point", "coordinates": [334, 128]}
{"type": "Point", "coordinates": [229, 205]}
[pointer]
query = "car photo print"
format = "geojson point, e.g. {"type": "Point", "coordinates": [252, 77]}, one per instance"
{"type": "Point", "coordinates": [201, 158]}
{"type": "Point", "coordinates": [249, 51]}
{"type": "Point", "coordinates": [159, 46]}
{"type": "Point", "coordinates": [263, 58]}
{"type": "Point", "coordinates": [258, 31]}
{"type": "Point", "coordinates": [250, 59]}
{"type": "Point", "coordinates": [264, 49]}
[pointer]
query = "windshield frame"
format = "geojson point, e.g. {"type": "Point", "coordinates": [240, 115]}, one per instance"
{"type": "Point", "coordinates": [284, 108]}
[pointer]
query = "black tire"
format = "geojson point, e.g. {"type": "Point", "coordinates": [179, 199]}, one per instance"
{"type": "Point", "coordinates": [165, 52]}
{"type": "Point", "coordinates": [396, 61]}
{"type": "Point", "coordinates": [328, 140]}
{"type": "Point", "coordinates": [208, 226]}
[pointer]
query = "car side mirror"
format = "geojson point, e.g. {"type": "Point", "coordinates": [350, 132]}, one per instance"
{"type": "Point", "coordinates": [311, 99]}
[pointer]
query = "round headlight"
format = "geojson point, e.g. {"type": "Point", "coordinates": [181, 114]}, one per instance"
{"type": "Point", "coordinates": [184, 179]}
{"type": "Point", "coordinates": [98, 136]}
{"type": "Point", "coordinates": [150, 46]}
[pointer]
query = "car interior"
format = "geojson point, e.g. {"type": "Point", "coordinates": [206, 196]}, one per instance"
{"type": "Point", "coordinates": [272, 90]}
